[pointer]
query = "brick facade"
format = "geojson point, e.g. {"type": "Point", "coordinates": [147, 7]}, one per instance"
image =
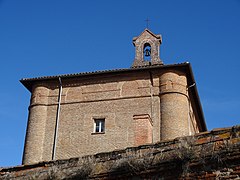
{"type": "Point", "coordinates": [139, 105]}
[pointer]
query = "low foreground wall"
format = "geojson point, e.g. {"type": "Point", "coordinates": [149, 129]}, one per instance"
{"type": "Point", "coordinates": [208, 155]}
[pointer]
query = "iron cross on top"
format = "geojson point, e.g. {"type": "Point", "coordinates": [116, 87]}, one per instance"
{"type": "Point", "coordinates": [147, 21]}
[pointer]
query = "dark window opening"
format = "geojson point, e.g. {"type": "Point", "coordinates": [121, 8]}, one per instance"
{"type": "Point", "coordinates": [99, 125]}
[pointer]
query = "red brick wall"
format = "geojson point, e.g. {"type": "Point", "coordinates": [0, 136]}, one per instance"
{"type": "Point", "coordinates": [142, 129]}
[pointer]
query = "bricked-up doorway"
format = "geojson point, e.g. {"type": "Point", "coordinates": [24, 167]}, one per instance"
{"type": "Point", "coordinates": [142, 129]}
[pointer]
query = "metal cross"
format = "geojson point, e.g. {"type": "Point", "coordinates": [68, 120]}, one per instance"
{"type": "Point", "coordinates": [147, 20]}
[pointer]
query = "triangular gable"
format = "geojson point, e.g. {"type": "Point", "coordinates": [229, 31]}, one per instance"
{"type": "Point", "coordinates": [150, 32]}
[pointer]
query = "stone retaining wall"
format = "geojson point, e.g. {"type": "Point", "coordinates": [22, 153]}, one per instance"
{"type": "Point", "coordinates": [208, 155]}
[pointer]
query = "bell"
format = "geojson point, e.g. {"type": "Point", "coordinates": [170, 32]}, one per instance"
{"type": "Point", "coordinates": [147, 52]}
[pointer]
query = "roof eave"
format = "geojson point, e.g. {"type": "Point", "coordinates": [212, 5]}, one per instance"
{"type": "Point", "coordinates": [28, 82]}
{"type": "Point", "coordinates": [196, 95]}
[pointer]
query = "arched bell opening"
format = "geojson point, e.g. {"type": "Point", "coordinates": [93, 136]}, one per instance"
{"type": "Point", "coordinates": [147, 52]}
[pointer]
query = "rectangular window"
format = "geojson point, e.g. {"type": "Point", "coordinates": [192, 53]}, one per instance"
{"type": "Point", "coordinates": [99, 125]}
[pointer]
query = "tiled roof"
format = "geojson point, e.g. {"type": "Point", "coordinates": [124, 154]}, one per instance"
{"type": "Point", "coordinates": [102, 72]}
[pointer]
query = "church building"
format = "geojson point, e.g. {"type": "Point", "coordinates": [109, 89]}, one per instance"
{"type": "Point", "coordinates": [86, 113]}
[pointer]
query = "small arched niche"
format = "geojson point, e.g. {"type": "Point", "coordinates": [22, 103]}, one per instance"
{"type": "Point", "coordinates": [147, 50]}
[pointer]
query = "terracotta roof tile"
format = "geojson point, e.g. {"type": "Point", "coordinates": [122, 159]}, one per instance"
{"type": "Point", "coordinates": [102, 72]}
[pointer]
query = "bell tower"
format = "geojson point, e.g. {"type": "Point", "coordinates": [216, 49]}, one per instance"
{"type": "Point", "coordinates": [147, 47]}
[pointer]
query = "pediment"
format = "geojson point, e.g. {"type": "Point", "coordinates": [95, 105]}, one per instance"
{"type": "Point", "coordinates": [147, 33]}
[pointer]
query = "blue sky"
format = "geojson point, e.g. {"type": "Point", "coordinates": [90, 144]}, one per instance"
{"type": "Point", "coordinates": [50, 37]}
